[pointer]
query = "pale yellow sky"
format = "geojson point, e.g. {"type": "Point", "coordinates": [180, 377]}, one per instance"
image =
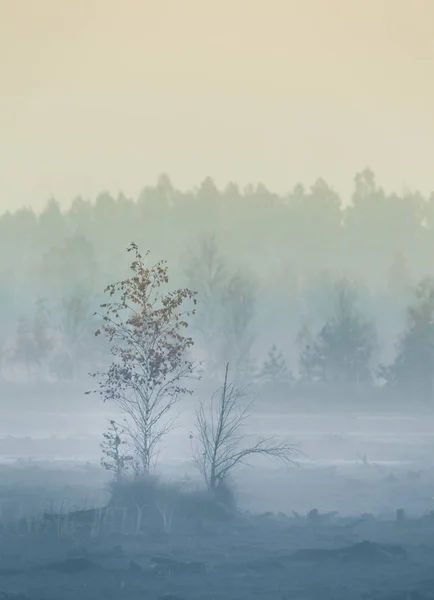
{"type": "Point", "coordinates": [105, 94]}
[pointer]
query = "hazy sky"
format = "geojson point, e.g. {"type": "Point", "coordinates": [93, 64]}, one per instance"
{"type": "Point", "coordinates": [105, 94]}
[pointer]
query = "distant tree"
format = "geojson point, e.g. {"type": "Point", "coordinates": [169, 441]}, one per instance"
{"type": "Point", "coordinates": [275, 371]}
{"type": "Point", "coordinates": [378, 225]}
{"type": "Point", "coordinates": [2, 354]}
{"type": "Point", "coordinates": [24, 348]}
{"type": "Point", "coordinates": [69, 268]}
{"type": "Point", "coordinates": [390, 306]}
{"type": "Point", "coordinates": [155, 208]}
{"type": "Point", "coordinates": [33, 340]}
{"type": "Point", "coordinates": [3, 350]}
{"type": "Point", "coordinates": [399, 277]}
{"type": "Point", "coordinates": [226, 306]}
{"type": "Point", "coordinates": [75, 341]}
{"type": "Point", "coordinates": [306, 343]}
{"type": "Point", "coordinates": [150, 354]}
{"type": "Point", "coordinates": [413, 368]}
{"type": "Point", "coordinates": [165, 189]}
{"type": "Point", "coordinates": [313, 224]}
{"type": "Point", "coordinates": [42, 334]}
{"type": "Point", "coordinates": [208, 203]}
{"type": "Point", "coordinates": [51, 228]}
{"type": "Point", "coordinates": [7, 318]}
{"type": "Point", "coordinates": [319, 297]}
{"type": "Point", "coordinates": [239, 306]}
{"type": "Point", "coordinates": [343, 348]}
{"type": "Point", "coordinates": [207, 274]}
{"type": "Point", "coordinates": [80, 218]}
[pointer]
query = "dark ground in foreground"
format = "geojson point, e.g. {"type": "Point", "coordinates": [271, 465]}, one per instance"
{"type": "Point", "coordinates": [92, 555]}
{"type": "Point", "coordinates": [356, 464]}
{"type": "Point", "coordinates": [269, 557]}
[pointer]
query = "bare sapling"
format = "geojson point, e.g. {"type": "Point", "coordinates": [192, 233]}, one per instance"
{"type": "Point", "coordinates": [150, 355]}
{"type": "Point", "coordinates": [114, 459]}
{"type": "Point", "coordinates": [221, 444]}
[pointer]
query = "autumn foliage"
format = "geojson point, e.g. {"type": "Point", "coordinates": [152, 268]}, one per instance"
{"type": "Point", "coordinates": [145, 324]}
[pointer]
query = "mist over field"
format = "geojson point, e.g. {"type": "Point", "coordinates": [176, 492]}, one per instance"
{"type": "Point", "coordinates": [324, 313]}
{"type": "Point", "coordinates": [216, 300]}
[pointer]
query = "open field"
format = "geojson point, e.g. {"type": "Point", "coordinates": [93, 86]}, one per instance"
{"type": "Point", "coordinates": [273, 555]}
{"type": "Point", "coordinates": [351, 462]}
{"type": "Point", "coordinates": [357, 470]}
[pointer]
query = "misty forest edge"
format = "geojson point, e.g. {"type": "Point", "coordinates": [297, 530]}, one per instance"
{"type": "Point", "coordinates": [295, 292]}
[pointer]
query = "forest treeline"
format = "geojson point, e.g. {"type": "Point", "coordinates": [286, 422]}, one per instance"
{"type": "Point", "coordinates": [292, 290]}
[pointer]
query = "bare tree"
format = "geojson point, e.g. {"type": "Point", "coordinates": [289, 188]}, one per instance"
{"type": "Point", "coordinates": [221, 445]}
{"type": "Point", "coordinates": [150, 355]}
{"type": "Point", "coordinates": [114, 459]}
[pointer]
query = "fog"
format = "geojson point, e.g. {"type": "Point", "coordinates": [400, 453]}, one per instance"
{"type": "Point", "coordinates": [217, 300]}
{"type": "Point", "coordinates": [323, 312]}
{"type": "Point", "coordinates": [355, 460]}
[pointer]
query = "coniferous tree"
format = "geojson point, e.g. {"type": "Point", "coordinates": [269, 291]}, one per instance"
{"type": "Point", "coordinates": [342, 350]}
{"type": "Point", "coordinates": [274, 370]}
{"type": "Point", "coordinates": [413, 367]}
